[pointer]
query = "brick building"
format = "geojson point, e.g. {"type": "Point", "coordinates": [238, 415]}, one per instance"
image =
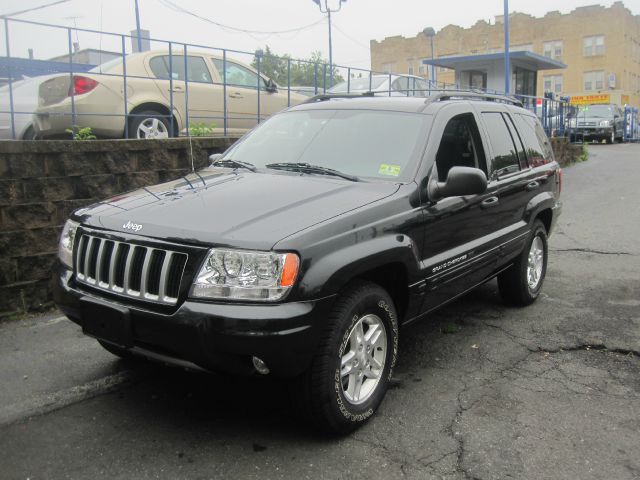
{"type": "Point", "coordinates": [599, 45]}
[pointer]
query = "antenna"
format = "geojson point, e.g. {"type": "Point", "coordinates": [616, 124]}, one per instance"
{"type": "Point", "coordinates": [193, 168]}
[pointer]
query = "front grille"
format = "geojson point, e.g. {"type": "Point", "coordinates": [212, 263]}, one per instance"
{"type": "Point", "coordinates": [135, 271]}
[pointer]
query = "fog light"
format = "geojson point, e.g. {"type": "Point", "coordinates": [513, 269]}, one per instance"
{"type": "Point", "coordinates": [260, 366]}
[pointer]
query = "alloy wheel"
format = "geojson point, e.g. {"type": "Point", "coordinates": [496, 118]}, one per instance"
{"type": "Point", "coordinates": [362, 365]}
{"type": "Point", "coordinates": [535, 263]}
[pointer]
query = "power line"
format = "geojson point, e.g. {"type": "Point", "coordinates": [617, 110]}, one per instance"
{"type": "Point", "coordinates": [337, 27]}
{"type": "Point", "coordinates": [13, 14]}
{"type": "Point", "coordinates": [178, 8]}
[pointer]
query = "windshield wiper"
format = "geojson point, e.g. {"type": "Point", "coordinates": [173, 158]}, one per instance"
{"type": "Point", "coordinates": [235, 163]}
{"type": "Point", "coordinates": [308, 168]}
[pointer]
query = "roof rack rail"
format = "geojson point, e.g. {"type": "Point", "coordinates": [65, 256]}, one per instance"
{"type": "Point", "coordinates": [467, 94]}
{"type": "Point", "coordinates": [323, 97]}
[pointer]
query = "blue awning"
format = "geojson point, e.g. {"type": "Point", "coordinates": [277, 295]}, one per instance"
{"type": "Point", "coordinates": [530, 59]}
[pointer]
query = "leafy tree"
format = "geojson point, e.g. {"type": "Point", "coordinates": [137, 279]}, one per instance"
{"type": "Point", "coordinates": [303, 72]}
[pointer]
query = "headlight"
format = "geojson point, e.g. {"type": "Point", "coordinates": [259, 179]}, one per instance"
{"type": "Point", "coordinates": [245, 275]}
{"type": "Point", "coordinates": [65, 246]}
{"type": "Point", "coordinates": [605, 123]}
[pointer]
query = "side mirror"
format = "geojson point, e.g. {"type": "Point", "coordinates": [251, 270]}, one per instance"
{"type": "Point", "coordinates": [271, 86]}
{"type": "Point", "coordinates": [214, 157]}
{"type": "Point", "coordinates": [460, 181]}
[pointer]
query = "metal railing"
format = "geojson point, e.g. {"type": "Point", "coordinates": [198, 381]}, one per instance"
{"type": "Point", "coordinates": [213, 103]}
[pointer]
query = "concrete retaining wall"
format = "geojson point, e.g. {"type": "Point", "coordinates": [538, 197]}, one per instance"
{"type": "Point", "coordinates": [42, 182]}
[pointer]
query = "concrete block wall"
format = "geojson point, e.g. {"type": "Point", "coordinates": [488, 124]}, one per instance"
{"type": "Point", "coordinates": [42, 182]}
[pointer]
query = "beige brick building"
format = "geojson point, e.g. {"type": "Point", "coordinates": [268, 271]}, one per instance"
{"type": "Point", "coordinates": [600, 46]}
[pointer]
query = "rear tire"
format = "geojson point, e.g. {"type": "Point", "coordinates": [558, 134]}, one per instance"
{"type": "Point", "coordinates": [29, 134]}
{"type": "Point", "coordinates": [521, 284]}
{"type": "Point", "coordinates": [149, 124]}
{"type": "Point", "coordinates": [349, 376]}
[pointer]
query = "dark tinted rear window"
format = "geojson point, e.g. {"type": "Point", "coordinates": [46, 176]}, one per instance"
{"type": "Point", "coordinates": [537, 143]}
{"type": "Point", "coordinates": [505, 157]}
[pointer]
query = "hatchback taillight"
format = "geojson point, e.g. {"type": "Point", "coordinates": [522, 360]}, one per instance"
{"type": "Point", "coordinates": [82, 85]}
{"type": "Point", "coordinates": [560, 173]}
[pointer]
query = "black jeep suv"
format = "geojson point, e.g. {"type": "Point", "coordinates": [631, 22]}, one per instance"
{"type": "Point", "coordinates": [304, 249]}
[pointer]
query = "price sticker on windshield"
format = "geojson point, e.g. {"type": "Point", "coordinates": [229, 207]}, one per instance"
{"type": "Point", "coordinates": [391, 170]}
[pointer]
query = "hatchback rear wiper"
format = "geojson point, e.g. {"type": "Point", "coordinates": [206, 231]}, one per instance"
{"type": "Point", "coordinates": [308, 168]}
{"type": "Point", "coordinates": [235, 163]}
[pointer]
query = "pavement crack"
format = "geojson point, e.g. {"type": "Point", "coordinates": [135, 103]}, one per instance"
{"type": "Point", "coordinates": [599, 347]}
{"type": "Point", "coordinates": [590, 250]}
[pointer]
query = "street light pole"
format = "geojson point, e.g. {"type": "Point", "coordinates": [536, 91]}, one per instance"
{"type": "Point", "coordinates": [430, 33]}
{"type": "Point", "coordinates": [507, 67]}
{"type": "Point", "coordinates": [329, 11]}
{"type": "Point", "coordinates": [138, 27]}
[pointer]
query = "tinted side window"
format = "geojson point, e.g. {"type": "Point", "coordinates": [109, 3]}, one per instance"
{"type": "Point", "coordinates": [517, 140]}
{"type": "Point", "coordinates": [505, 157]}
{"type": "Point", "coordinates": [400, 85]}
{"type": "Point", "coordinates": [237, 74]}
{"type": "Point", "coordinates": [197, 70]}
{"type": "Point", "coordinates": [538, 146]}
{"type": "Point", "coordinates": [460, 146]}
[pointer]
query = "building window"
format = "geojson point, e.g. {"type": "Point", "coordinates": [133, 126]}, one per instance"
{"type": "Point", "coordinates": [422, 68]}
{"type": "Point", "coordinates": [594, 80]}
{"type": "Point", "coordinates": [553, 49]}
{"type": "Point", "coordinates": [388, 67]}
{"type": "Point", "coordinates": [553, 83]}
{"type": "Point", "coordinates": [594, 45]}
{"type": "Point", "coordinates": [410, 68]}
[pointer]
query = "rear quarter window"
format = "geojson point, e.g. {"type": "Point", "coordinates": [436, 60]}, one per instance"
{"type": "Point", "coordinates": [538, 147]}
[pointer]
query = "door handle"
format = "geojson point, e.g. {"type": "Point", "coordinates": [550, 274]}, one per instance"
{"type": "Point", "coordinates": [489, 202]}
{"type": "Point", "coordinates": [176, 90]}
{"type": "Point", "coordinates": [235, 95]}
{"type": "Point", "coordinates": [532, 186]}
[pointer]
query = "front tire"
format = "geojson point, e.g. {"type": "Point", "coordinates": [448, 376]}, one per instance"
{"type": "Point", "coordinates": [521, 284]}
{"type": "Point", "coordinates": [350, 374]}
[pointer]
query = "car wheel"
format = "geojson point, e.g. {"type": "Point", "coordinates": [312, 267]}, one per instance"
{"type": "Point", "coordinates": [149, 125]}
{"type": "Point", "coordinates": [521, 283]}
{"type": "Point", "coordinates": [350, 374]}
{"type": "Point", "coordinates": [612, 138]}
{"type": "Point", "coordinates": [29, 134]}
{"type": "Point", "coordinates": [118, 351]}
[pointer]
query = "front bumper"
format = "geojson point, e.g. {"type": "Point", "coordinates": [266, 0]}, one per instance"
{"type": "Point", "coordinates": [219, 337]}
{"type": "Point", "coordinates": [601, 133]}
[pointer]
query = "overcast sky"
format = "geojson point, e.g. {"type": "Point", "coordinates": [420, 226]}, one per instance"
{"type": "Point", "coordinates": [358, 22]}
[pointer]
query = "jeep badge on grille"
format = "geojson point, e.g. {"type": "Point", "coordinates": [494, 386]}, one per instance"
{"type": "Point", "coordinates": [136, 227]}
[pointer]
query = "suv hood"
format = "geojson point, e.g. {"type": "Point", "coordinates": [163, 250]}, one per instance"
{"type": "Point", "coordinates": [217, 206]}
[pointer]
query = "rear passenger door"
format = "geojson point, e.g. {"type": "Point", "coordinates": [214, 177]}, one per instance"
{"type": "Point", "coordinates": [511, 180]}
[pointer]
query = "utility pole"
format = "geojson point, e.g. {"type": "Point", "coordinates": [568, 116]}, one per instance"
{"type": "Point", "coordinates": [138, 27]}
{"type": "Point", "coordinates": [507, 67]}
{"type": "Point", "coordinates": [329, 11]}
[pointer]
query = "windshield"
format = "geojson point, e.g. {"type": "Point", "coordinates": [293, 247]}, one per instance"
{"type": "Point", "coordinates": [363, 143]}
{"type": "Point", "coordinates": [358, 85]}
{"type": "Point", "coordinates": [598, 111]}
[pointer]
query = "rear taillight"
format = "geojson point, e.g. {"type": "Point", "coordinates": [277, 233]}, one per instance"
{"type": "Point", "coordinates": [560, 180]}
{"type": "Point", "coordinates": [82, 85]}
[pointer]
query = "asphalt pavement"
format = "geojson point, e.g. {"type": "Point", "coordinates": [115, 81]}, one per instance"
{"type": "Point", "coordinates": [482, 391]}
